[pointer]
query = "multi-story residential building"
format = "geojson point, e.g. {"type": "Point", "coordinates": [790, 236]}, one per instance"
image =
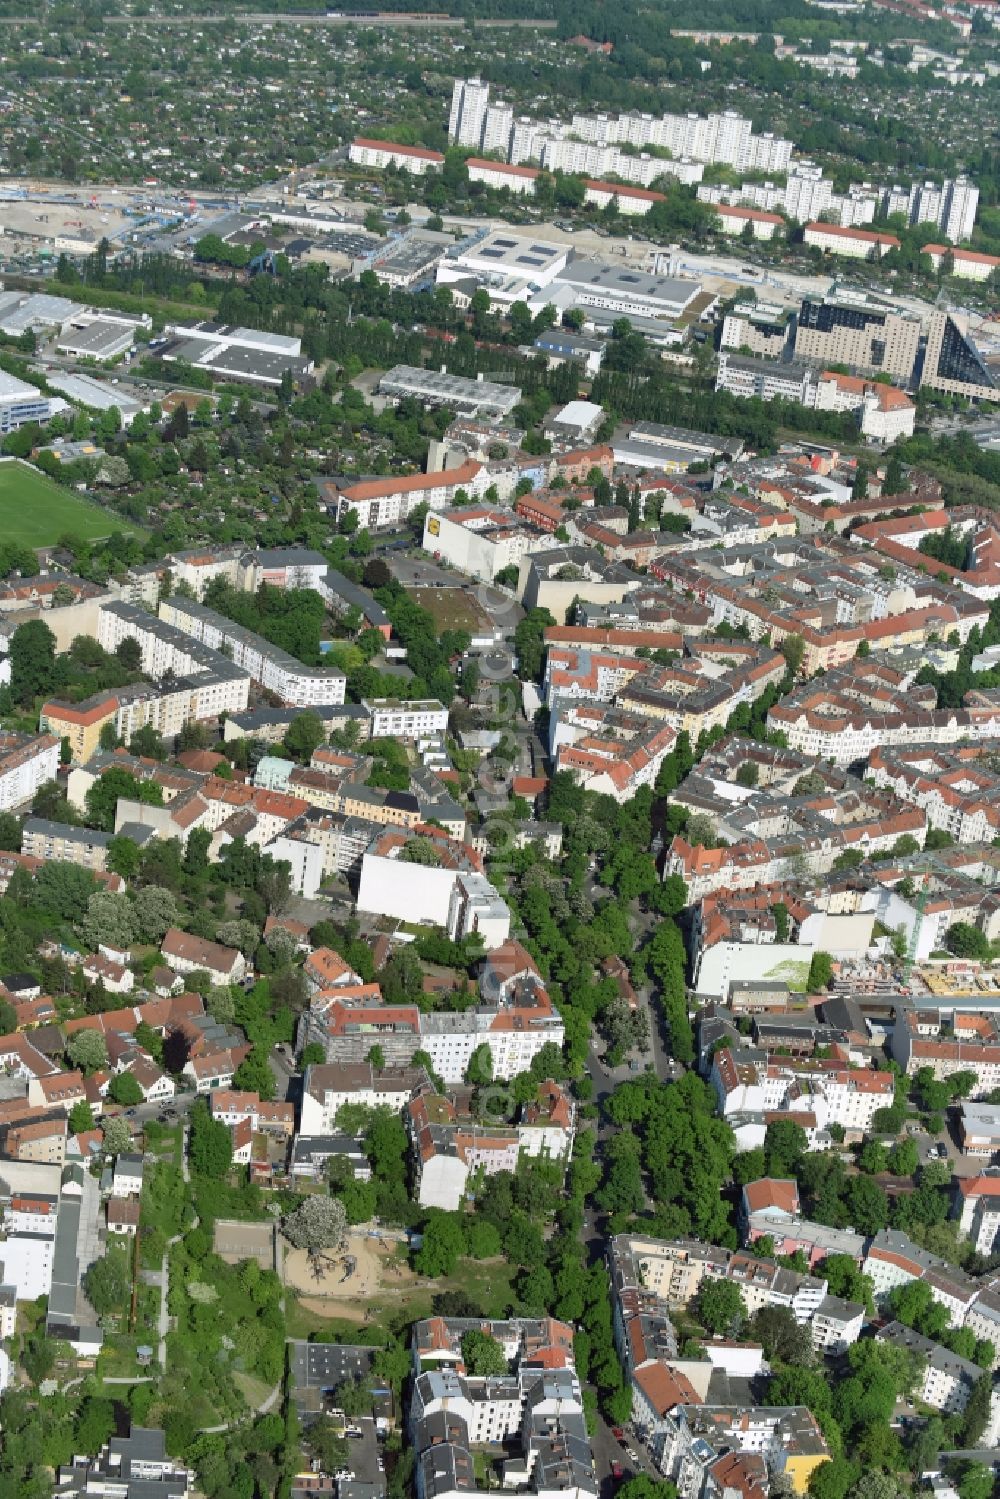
{"type": "Point", "coordinates": [515, 1019]}
{"type": "Point", "coordinates": [537, 1405]}
{"type": "Point", "coordinates": [734, 217]}
{"type": "Point", "coordinates": [950, 207]}
{"type": "Point", "coordinates": [482, 540]}
{"type": "Point", "coordinates": [365, 152]}
{"type": "Point", "coordinates": [966, 265]}
{"type": "Point", "coordinates": [127, 1468]}
{"type": "Point", "coordinates": [810, 841]}
{"type": "Point", "coordinates": [785, 1439]}
{"type": "Point", "coordinates": [448, 1150]}
{"type": "Point", "coordinates": [385, 502]}
{"type": "Point", "coordinates": [596, 676]}
{"type": "Point", "coordinates": [855, 244]}
{"type": "Point", "coordinates": [397, 718]}
{"type": "Point", "coordinates": [978, 1199]}
{"type": "Point", "coordinates": [892, 1259]}
{"type": "Point", "coordinates": [757, 328]}
{"type": "Point", "coordinates": [275, 1119]}
{"type": "Point", "coordinates": [196, 680]}
{"type": "Point", "coordinates": [469, 103]}
{"type": "Point", "coordinates": [80, 723]}
{"type": "Point", "coordinates": [947, 1380]}
{"type": "Point", "coordinates": [327, 1087]}
{"type": "Point", "coordinates": [47, 840]}
{"type": "Point", "coordinates": [952, 363]}
{"type": "Point", "coordinates": [498, 175]}
{"type": "Point", "coordinates": [27, 761]}
{"type": "Point", "coordinates": [618, 767]}
{"type": "Point", "coordinates": [265, 664]}
{"type": "Point", "coordinates": [449, 890]}
{"type": "Point", "coordinates": [672, 1271]}
{"type": "Point", "coordinates": [630, 201]}
{"type": "Point", "coordinates": [971, 1043]}
{"type": "Point", "coordinates": [863, 334]}
{"type": "Point", "coordinates": [957, 789]}
{"type": "Point", "coordinates": [836, 1324]}
{"type": "Point", "coordinates": [860, 709]}
{"type": "Point", "coordinates": [747, 1083]}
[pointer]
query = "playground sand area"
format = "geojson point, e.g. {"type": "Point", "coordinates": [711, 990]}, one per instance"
{"type": "Point", "coordinates": [344, 1280]}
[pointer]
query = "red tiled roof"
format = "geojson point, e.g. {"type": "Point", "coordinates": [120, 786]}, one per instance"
{"type": "Point", "coordinates": [394, 146]}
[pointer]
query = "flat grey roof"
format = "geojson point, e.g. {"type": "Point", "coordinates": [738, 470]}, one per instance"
{"type": "Point", "coordinates": [221, 358]}
{"type": "Point", "coordinates": [440, 383]}
{"type": "Point", "coordinates": [100, 395]}
{"type": "Point", "coordinates": [97, 338]}
{"type": "Point", "coordinates": [326, 1365]}
{"type": "Point", "coordinates": [622, 280]}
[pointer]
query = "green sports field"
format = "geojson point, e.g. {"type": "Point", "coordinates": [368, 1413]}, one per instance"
{"type": "Point", "coordinates": [36, 512]}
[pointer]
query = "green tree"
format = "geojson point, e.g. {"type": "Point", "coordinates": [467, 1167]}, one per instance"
{"type": "Point", "coordinates": [903, 1158]}
{"type": "Point", "coordinates": [86, 1049]}
{"type": "Point", "coordinates": [317, 1223]}
{"type": "Point", "coordinates": [117, 1137]}
{"type": "Point", "coordinates": [479, 1071]}
{"type": "Point", "coordinates": [964, 940]}
{"type": "Point", "coordinates": [210, 1147]}
{"type": "Point", "coordinates": [442, 1246]}
{"type": "Point", "coordinates": [975, 1481]}
{"type": "Point", "coordinates": [81, 1117]}
{"type": "Point", "coordinates": [833, 1479]}
{"type": "Point", "coordinates": [32, 661]}
{"type": "Point", "coordinates": [820, 972]}
{"type": "Point", "coordinates": [785, 1143]}
{"type": "Point", "coordinates": [123, 857]}
{"type": "Point", "coordinates": [482, 1354]}
{"type": "Point", "coordinates": [304, 735]}
{"type": "Point", "coordinates": [793, 649]}
{"type": "Point", "coordinates": [123, 1089]}
{"type": "Point", "coordinates": [254, 1074]}
{"type": "Point", "coordinates": [106, 1283]}
{"type": "Point", "coordinates": [782, 1337]}
{"type": "Point", "coordinates": [977, 1412]}
{"type": "Point", "coordinates": [720, 1307]}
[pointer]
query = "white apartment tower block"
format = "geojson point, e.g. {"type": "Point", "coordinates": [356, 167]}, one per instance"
{"type": "Point", "coordinates": [469, 103]}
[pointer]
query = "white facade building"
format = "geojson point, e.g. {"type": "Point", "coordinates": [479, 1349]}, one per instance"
{"type": "Point", "coordinates": [381, 154]}
{"type": "Point", "coordinates": [394, 718]}
{"type": "Point", "coordinates": [26, 762]}
{"type": "Point", "coordinates": [470, 99]}
{"type": "Point", "coordinates": [267, 665]}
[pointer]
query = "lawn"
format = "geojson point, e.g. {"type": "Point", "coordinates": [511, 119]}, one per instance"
{"type": "Point", "coordinates": [36, 512]}
{"type": "Point", "coordinates": [488, 1282]}
{"type": "Point", "coordinates": [452, 608]}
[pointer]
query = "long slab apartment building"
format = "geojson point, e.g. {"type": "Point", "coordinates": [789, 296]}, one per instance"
{"type": "Point", "coordinates": [385, 502]}
{"type": "Point", "coordinates": [266, 664]}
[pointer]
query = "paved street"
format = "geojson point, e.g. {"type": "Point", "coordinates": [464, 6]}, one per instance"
{"type": "Point", "coordinates": [607, 1450]}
